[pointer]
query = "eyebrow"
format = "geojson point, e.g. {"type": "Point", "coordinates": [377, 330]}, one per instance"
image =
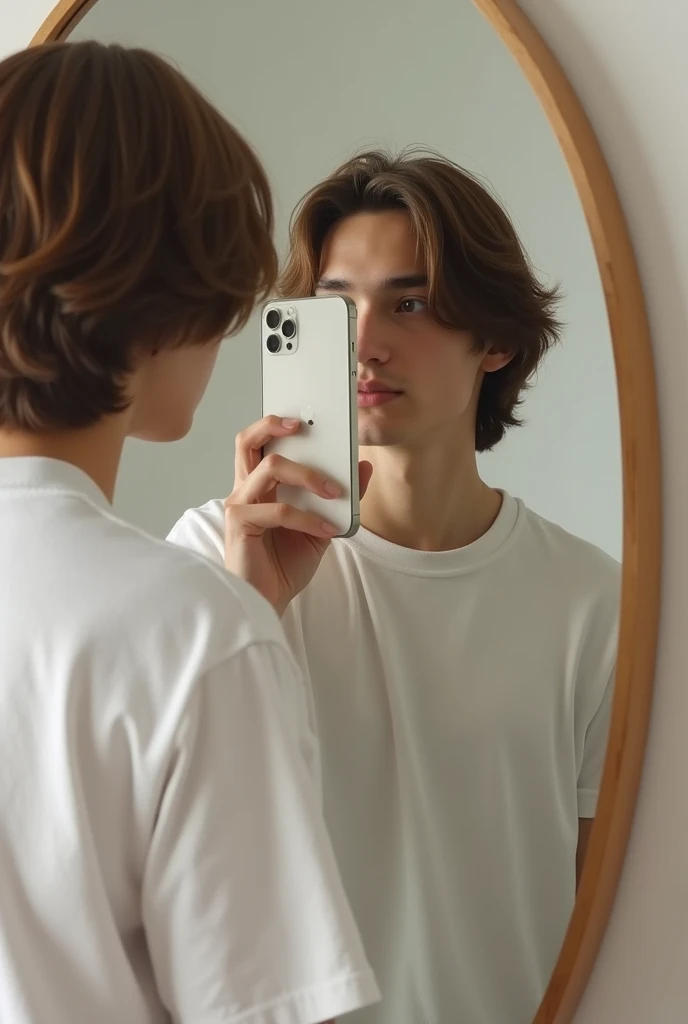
{"type": "Point", "coordinates": [388, 284]}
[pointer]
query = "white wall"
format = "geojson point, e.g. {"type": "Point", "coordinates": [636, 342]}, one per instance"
{"type": "Point", "coordinates": [307, 93]}
{"type": "Point", "coordinates": [628, 64]}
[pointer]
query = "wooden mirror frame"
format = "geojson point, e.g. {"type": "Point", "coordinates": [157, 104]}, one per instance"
{"type": "Point", "coordinates": [640, 446]}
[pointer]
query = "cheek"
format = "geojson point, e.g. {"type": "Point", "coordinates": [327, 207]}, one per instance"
{"type": "Point", "coordinates": [173, 388]}
{"type": "Point", "coordinates": [203, 368]}
{"type": "Point", "coordinates": [450, 372]}
{"type": "Point", "coordinates": [190, 375]}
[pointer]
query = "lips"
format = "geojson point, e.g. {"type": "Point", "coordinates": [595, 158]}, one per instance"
{"type": "Point", "coordinates": [372, 393]}
{"type": "Point", "coordinates": [371, 387]}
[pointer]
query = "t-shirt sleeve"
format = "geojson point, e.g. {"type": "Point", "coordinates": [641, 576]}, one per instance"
{"type": "Point", "coordinates": [594, 753]}
{"type": "Point", "coordinates": [203, 531]}
{"type": "Point", "coordinates": [244, 911]}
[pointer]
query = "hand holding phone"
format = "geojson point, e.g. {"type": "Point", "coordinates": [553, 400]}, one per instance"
{"type": "Point", "coordinates": [275, 546]}
{"type": "Point", "coordinates": [297, 480]}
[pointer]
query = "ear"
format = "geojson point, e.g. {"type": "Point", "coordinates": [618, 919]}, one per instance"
{"type": "Point", "coordinates": [495, 358]}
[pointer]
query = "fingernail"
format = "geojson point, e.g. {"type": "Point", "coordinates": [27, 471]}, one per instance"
{"type": "Point", "coordinates": [328, 529]}
{"type": "Point", "coordinates": [289, 423]}
{"type": "Point", "coordinates": [331, 488]}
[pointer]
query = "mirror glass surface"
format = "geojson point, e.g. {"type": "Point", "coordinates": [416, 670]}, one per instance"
{"type": "Point", "coordinates": [461, 697]}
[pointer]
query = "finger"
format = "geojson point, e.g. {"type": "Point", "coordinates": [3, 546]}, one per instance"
{"type": "Point", "coordinates": [255, 520]}
{"type": "Point", "coordinates": [249, 442]}
{"type": "Point", "coordinates": [365, 472]}
{"type": "Point", "coordinates": [275, 469]}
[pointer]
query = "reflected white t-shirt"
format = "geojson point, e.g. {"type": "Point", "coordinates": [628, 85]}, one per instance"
{"type": "Point", "coordinates": [462, 704]}
{"type": "Point", "coordinates": [162, 850]}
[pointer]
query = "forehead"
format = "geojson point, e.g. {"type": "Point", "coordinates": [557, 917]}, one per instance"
{"type": "Point", "coordinates": [368, 246]}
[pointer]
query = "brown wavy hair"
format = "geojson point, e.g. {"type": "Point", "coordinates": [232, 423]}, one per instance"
{"type": "Point", "coordinates": [132, 216]}
{"type": "Point", "coordinates": [480, 277]}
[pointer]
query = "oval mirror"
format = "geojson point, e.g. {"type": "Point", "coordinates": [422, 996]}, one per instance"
{"type": "Point", "coordinates": [495, 651]}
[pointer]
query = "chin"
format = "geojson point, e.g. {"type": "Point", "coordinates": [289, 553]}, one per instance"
{"type": "Point", "coordinates": [163, 433]}
{"type": "Point", "coordinates": [385, 426]}
{"type": "Point", "coordinates": [378, 437]}
{"type": "Point", "coordinates": [174, 435]}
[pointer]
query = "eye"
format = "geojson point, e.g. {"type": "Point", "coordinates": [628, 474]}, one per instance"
{"type": "Point", "coordinates": [412, 306]}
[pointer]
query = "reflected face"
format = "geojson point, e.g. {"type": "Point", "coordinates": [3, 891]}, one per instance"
{"type": "Point", "coordinates": [168, 389]}
{"type": "Point", "coordinates": [418, 381]}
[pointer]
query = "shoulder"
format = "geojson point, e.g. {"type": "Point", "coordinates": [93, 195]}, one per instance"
{"type": "Point", "coordinates": [568, 558]}
{"type": "Point", "coordinates": [180, 592]}
{"type": "Point", "coordinates": [581, 587]}
{"type": "Point", "coordinates": [576, 589]}
{"type": "Point", "coordinates": [202, 530]}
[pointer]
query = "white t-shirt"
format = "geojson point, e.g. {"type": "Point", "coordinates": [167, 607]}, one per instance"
{"type": "Point", "coordinates": [462, 702]}
{"type": "Point", "coordinates": [162, 850]}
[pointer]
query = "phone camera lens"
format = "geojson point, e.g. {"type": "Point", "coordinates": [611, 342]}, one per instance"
{"type": "Point", "coordinates": [273, 319]}
{"type": "Point", "coordinates": [288, 328]}
{"type": "Point", "coordinates": [274, 343]}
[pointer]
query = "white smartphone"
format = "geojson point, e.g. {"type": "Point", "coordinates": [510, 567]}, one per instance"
{"type": "Point", "coordinates": [308, 368]}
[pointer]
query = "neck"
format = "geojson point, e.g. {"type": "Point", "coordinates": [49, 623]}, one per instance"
{"type": "Point", "coordinates": [96, 450]}
{"type": "Point", "coordinates": [430, 500]}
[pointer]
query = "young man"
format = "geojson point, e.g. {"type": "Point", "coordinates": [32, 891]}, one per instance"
{"type": "Point", "coordinates": [162, 851]}
{"type": "Point", "coordinates": [460, 649]}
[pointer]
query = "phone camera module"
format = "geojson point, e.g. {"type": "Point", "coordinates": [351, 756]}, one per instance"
{"type": "Point", "coordinates": [274, 343]}
{"type": "Point", "coordinates": [273, 319]}
{"type": "Point", "coordinates": [288, 328]}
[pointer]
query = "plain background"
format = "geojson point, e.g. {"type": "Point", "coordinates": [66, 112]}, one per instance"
{"type": "Point", "coordinates": [628, 66]}
{"type": "Point", "coordinates": [311, 81]}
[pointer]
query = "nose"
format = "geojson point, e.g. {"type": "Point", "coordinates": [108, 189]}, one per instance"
{"type": "Point", "coordinates": [372, 347]}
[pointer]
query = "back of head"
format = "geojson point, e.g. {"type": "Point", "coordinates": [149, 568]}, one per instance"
{"type": "Point", "coordinates": [132, 216]}
{"type": "Point", "coordinates": [480, 278]}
